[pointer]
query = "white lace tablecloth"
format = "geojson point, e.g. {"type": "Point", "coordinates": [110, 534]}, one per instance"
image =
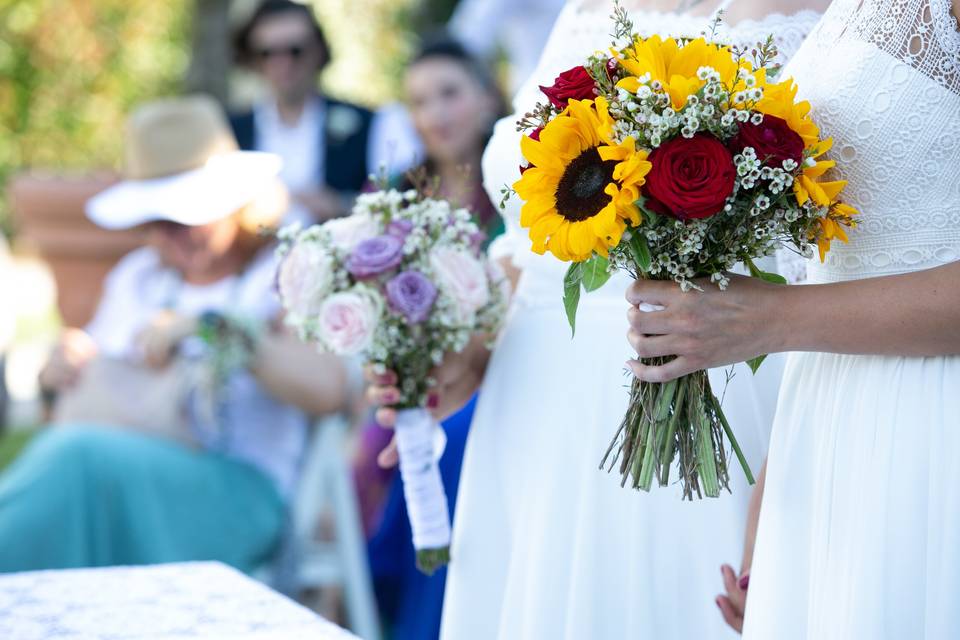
{"type": "Point", "coordinates": [164, 602]}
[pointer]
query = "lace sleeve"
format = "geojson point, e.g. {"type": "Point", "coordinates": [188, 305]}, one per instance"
{"type": "Point", "coordinates": [921, 33]}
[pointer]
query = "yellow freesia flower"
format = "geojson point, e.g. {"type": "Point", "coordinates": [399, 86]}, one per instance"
{"type": "Point", "coordinates": [806, 187]}
{"type": "Point", "coordinates": [676, 66]}
{"type": "Point", "coordinates": [580, 191]}
{"type": "Point", "coordinates": [832, 226]}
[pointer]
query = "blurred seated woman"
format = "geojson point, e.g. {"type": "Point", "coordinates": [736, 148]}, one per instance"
{"type": "Point", "coordinates": [454, 103]}
{"type": "Point", "coordinates": [182, 409]}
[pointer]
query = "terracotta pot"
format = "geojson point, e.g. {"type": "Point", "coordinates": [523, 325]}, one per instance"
{"type": "Point", "coordinates": [48, 210]}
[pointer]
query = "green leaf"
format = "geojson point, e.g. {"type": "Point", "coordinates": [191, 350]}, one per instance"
{"type": "Point", "coordinates": [754, 363]}
{"type": "Point", "coordinates": [766, 276]}
{"type": "Point", "coordinates": [571, 294]}
{"type": "Point", "coordinates": [595, 272]}
{"type": "Point", "coordinates": [640, 251]}
{"type": "Point", "coordinates": [650, 216]}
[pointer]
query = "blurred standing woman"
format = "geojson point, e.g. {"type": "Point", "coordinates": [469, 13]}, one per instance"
{"type": "Point", "coordinates": [454, 103]}
{"type": "Point", "coordinates": [144, 468]}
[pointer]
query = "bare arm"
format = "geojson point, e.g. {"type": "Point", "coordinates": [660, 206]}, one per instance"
{"type": "Point", "coordinates": [914, 314]}
{"type": "Point", "coordinates": [296, 373]}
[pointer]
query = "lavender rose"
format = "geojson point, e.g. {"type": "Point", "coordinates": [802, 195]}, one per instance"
{"type": "Point", "coordinates": [400, 228]}
{"type": "Point", "coordinates": [377, 255]}
{"type": "Point", "coordinates": [411, 294]}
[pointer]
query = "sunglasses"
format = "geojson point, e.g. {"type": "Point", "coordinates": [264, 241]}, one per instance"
{"type": "Point", "coordinates": [293, 51]}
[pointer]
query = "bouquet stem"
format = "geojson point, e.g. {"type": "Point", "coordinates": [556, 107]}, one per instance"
{"type": "Point", "coordinates": [423, 489]}
{"type": "Point", "coordinates": [681, 419]}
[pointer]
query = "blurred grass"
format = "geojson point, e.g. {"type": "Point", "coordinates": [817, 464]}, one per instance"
{"type": "Point", "coordinates": [12, 442]}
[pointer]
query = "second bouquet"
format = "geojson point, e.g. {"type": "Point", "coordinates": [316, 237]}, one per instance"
{"type": "Point", "coordinates": [399, 283]}
{"type": "Point", "coordinates": [674, 159]}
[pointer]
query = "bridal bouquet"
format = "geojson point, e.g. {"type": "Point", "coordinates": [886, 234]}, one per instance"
{"type": "Point", "coordinates": [399, 283]}
{"type": "Point", "coordinates": [674, 160]}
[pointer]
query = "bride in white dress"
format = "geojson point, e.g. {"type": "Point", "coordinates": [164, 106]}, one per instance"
{"type": "Point", "coordinates": [545, 544]}
{"type": "Point", "coordinates": [858, 528]}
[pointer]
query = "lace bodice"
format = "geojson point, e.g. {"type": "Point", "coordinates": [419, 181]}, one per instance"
{"type": "Point", "coordinates": [883, 77]}
{"type": "Point", "coordinates": [578, 32]}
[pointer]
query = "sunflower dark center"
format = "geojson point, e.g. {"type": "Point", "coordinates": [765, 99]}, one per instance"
{"type": "Point", "coordinates": [580, 194]}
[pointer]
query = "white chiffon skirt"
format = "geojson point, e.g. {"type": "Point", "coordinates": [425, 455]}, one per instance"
{"type": "Point", "coordinates": [860, 527]}
{"type": "Point", "coordinates": [548, 546]}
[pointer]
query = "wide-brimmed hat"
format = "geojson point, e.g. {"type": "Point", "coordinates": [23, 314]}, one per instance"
{"type": "Point", "coordinates": [183, 165]}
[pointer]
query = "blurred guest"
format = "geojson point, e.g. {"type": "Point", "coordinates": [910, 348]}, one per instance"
{"type": "Point", "coordinates": [519, 27]}
{"type": "Point", "coordinates": [454, 103]}
{"type": "Point", "coordinates": [328, 147]}
{"type": "Point", "coordinates": [182, 408]}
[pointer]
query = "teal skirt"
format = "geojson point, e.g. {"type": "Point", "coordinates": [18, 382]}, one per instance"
{"type": "Point", "coordinates": [81, 496]}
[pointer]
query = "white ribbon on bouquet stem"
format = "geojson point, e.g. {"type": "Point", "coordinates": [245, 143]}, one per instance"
{"type": "Point", "coordinates": [422, 486]}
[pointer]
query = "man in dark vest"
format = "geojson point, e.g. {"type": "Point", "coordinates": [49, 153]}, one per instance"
{"type": "Point", "coordinates": [324, 143]}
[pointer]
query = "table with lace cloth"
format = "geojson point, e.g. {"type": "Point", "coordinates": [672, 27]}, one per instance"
{"type": "Point", "coordinates": [163, 602]}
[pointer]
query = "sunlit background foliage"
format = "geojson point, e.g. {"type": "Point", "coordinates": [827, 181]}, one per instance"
{"type": "Point", "coordinates": [71, 69]}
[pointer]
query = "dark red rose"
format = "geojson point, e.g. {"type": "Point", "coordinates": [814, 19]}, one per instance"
{"type": "Point", "coordinates": [690, 178]}
{"type": "Point", "coordinates": [573, 84]}
{"type": "Point", "coordinates": [773, 140]}
{"type": "Point", "coordinates": [534, 135]}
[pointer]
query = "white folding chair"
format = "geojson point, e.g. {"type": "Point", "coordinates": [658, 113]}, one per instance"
{"type": "Point", "coordinates": [304, 561]}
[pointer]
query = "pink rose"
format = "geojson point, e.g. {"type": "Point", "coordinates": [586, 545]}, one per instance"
{"type": "Point", "coordinates": [305, 278]}
{"type": "Point", "coordinates": [348, 321]}
{"type": "Point", "coordinates": [463, 279]}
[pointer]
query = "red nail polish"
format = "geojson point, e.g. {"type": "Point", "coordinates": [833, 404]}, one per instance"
{"type": "Point", "coordinates": [745, 581]}
{"type": "Point", "coordinates": [433, 401]}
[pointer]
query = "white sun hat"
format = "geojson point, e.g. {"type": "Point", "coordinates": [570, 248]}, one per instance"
{"type": "Point", "coordinates": [183, 165]}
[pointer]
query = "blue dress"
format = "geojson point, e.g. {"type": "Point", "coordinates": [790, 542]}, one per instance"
{"type": "Point", "coordinates": [411, 602]}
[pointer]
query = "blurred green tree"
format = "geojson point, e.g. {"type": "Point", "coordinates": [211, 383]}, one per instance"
{"type": "Point", "coordinates": [71, 69]}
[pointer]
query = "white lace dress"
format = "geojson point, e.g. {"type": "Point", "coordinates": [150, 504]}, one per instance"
{"type": "Point", "coordinates": [545, 544]}
{"type": "Point", "coordinates": [858, 531]}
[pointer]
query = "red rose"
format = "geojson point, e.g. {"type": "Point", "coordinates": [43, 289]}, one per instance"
{"type": "Point", "coordinates": [773, 140]}
{"type": "Point", "coordinates": [691, 177]}
{"type": "Point", "coordinates": [534, 135]}
{"type": "Point", "coordinates": [573, 84]}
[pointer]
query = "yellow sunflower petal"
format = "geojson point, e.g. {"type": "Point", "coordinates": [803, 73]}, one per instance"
{"type": "Point", "coordinates": [539, 156]}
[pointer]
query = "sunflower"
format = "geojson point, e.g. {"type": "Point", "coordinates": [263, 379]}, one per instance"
{"type": "Point", "coordinates": [677, 67]}
{"type": "Point", "coordinates": [580, 190]}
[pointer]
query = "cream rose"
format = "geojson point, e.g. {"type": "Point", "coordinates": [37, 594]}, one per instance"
{"type": "Point", "coordinates": [461, 277]}
{"type": "Point", "coordinates": [347, 322]}
{"type": "Point", "coordinates": [346, 233]}
{"type": "Point", "coordinates": [305, 278]}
